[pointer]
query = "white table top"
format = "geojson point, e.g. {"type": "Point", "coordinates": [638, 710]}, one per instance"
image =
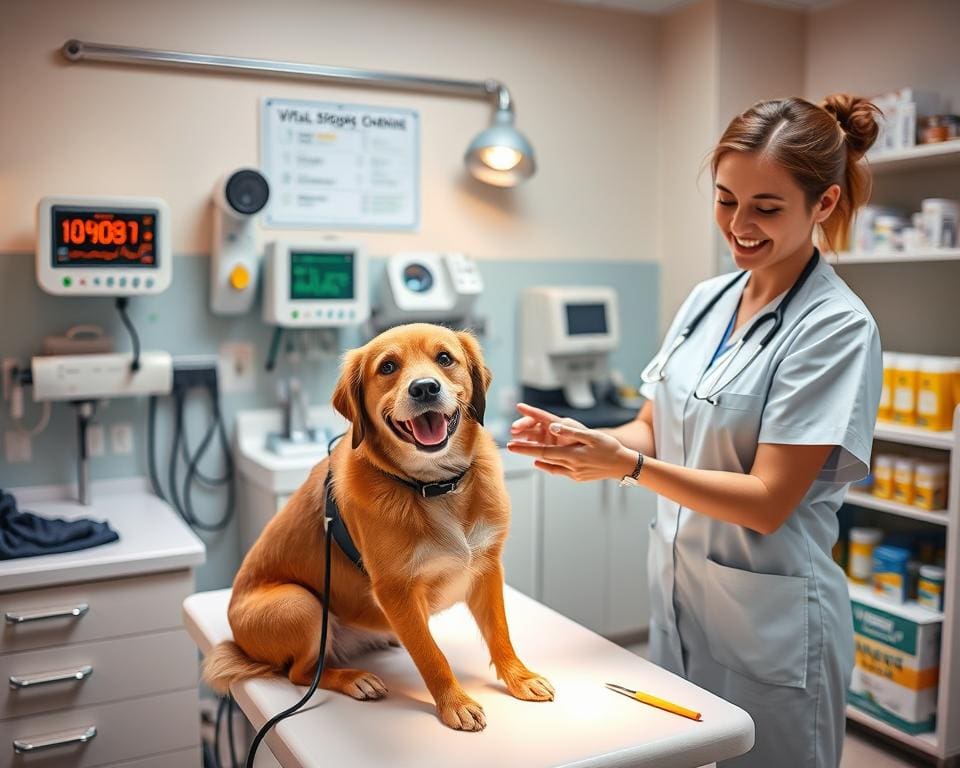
{"type": "Point", "coordinates": [587, 725]}
{"type": "Point", "coordinates": [153, 538]}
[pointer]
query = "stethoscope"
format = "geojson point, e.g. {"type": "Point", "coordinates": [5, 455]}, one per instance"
{"type": "Point", "coordinates": [654, 372]}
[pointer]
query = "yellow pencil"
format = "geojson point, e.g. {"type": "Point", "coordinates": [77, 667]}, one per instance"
{"type": "Point", "coordinates": [655, 701]}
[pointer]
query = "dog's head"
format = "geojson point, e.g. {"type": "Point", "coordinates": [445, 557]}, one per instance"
{"type": "Point", "coordinates": [414, 388]}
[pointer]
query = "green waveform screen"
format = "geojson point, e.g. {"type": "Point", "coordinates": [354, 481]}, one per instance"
{"type": "Point", "coordinates": [316, 276]}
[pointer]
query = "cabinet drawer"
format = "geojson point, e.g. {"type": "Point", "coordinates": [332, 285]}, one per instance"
{"type": "Point", "coordinates": [124, 668]}
{"type": "Point", "coordinates": [114, 607]}
{"type": "Point", "coordinates": [124, 730]}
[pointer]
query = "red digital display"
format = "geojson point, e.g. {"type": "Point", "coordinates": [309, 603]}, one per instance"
{"type": "Point", "coordinates": [121, 237]}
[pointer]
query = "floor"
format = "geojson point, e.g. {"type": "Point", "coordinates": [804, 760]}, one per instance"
{"type": "Point", "coordinates": [862, 749]}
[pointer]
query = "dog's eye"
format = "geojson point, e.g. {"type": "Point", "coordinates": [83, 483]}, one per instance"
{"type": "Point", "coordinates": [444, 359]}
{"type": "Point", "coordinates": [387, 367]}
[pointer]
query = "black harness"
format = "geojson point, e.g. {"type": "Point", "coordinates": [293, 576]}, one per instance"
{"type": "Point", "coordinates": [338, 528]}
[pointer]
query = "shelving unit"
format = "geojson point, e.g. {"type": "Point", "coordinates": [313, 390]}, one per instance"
{"type": "Point", "coordinates": [845, 258]}
{"type": "Point", "coordinates": [944, 742]}
{"type": "Point", "coordinates": [921, 156]}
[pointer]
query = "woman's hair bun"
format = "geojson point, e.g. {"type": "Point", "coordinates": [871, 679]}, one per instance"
{"type": "Point", "coordinates": [857, 117]}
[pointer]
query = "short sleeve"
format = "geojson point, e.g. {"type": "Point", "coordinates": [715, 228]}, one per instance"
{"type": "Point", "coordinates": [826, 391]}
{"type": "Point", "coordinates": [683, 316]}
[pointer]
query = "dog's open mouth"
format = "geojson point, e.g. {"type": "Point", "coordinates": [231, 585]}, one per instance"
{"type": "Point", "coordinates": [429, 431]}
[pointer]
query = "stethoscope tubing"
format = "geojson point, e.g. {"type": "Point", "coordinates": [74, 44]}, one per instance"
{"type": "Point", "coordinates": [655, 371]}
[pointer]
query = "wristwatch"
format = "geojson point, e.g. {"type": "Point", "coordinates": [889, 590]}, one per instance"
{"type": "Point", "coordinates": [632, 478]}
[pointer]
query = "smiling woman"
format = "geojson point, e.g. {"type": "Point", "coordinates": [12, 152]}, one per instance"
{"type": "Point", "coordinates": [761, 405]}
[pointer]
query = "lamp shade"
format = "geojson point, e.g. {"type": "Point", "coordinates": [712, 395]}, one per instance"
{"type": "Point", "coordinates": [500, 155]}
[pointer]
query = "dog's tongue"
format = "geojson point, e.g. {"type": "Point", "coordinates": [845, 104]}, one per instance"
{"type": "Point", "coordinates": [429, 428]}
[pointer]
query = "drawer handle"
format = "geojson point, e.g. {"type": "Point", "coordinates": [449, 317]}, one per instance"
{"type": "Point", "coordinates": [19, 617]}
{"type": "Point", "coordinates": [58, 739]}
{"type": "Point", "coordinates": [45, 678]}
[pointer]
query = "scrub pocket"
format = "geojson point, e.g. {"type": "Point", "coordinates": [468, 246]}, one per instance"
{"type": "Point", "coordinates": [740, 401]}
{"type": "Point", "coordinates": [756, 624]}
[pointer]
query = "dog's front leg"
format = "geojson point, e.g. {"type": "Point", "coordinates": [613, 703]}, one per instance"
{"type": "Point", "coordinates": [407, 610]}
{"type": "Point", "coordinates": [486, 605]}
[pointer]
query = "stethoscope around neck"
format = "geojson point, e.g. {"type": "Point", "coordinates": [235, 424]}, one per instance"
{"type": "Point", "coordinates": [714, 381]}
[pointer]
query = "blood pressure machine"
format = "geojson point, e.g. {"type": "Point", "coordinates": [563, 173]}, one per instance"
{"type": "Point", "coordinates": [566, 337]}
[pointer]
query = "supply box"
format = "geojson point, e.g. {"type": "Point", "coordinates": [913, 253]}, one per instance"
{"type": "Point", "coordinates": [897, 663]}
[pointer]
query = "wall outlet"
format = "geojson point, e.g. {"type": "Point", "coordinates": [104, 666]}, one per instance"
{"type": "Point", "coordinates": [16, 447]}
{"type": "Point", "coordinates": [121, 438]}
{"type": "Point", "coordinates": [95, 440]}
{"type": "Point", "coordinates": [236, 371]}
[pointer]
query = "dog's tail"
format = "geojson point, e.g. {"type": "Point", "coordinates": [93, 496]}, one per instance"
{"type": "Point", "coordinates": [227, 663]}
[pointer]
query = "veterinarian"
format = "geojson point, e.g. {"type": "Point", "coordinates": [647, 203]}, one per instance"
{"type": "Point", "coordinates": [760, 410]}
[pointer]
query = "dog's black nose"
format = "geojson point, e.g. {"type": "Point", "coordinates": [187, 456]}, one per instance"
{"type": "Point", "coordinates": [424, 390]}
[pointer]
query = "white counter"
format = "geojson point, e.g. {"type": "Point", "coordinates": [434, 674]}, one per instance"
{"type": "Point", "coordinates": [153, 538]}
{"type": "Point", "coordinates": [587, 725]}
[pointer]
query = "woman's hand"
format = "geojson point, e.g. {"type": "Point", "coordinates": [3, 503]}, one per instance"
{"type": "Point", "coordinates": [566, 447]}
{"type": "Point", "coordinates": [534, 427]}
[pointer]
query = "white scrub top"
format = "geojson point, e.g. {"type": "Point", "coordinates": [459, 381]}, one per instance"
{"type": "Point", "coordinates": [764, 620]}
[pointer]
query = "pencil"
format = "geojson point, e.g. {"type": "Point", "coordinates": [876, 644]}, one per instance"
{"type": "Point", "coordinates": [669, 706]}
{"type": "Point", "coordinates": [656, 701]}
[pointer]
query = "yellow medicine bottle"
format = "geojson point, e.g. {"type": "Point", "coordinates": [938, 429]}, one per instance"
{"type": "Point", "coordinates": [883, 475]}
{"type": "Point", "coordinates": [905, 389]}
{"type": "Point", "coordinates": [903, 471]}
{"type": "Point", "coordinates": [930, 485]}
{"type": "Point", "coordinates": [935, 393]}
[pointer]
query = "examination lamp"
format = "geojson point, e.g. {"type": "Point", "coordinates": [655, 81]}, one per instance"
{"type": "Point", "coordinates": [499, 155]}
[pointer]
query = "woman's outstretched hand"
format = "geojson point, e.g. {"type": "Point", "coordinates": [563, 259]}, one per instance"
{"type": "Point", "coordinates": [563, 446]}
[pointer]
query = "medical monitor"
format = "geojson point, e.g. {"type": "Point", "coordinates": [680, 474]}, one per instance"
{"type": "Point", "coordinates": [103, 246]}
{"type": "Point", "coordinates": [315, 285]}
{"type": "Point", "coordinates": [567, 320]}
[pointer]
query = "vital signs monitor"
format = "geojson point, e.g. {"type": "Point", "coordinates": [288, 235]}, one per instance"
{"type": "Point", "coordinates": [103, 246]}
{"type": "Point", "coordinates": [315, 285]}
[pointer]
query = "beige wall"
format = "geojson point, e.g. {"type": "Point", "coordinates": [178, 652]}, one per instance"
{"type": "Point", "coordinates": [688, 108]}
{"type": "Point", "coordinates": [583, 81]}
{"type": "Point", "coordinates": [717, 58]}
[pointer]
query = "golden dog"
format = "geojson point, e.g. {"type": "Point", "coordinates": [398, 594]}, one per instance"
{"type": "Point", "coordinates": [415, 397]}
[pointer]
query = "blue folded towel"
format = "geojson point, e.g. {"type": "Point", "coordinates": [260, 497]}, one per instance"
{"type": "Point", "coordinates": [24, 534]}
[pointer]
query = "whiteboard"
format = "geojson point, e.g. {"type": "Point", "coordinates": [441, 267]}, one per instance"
{"type": "Point", "coordinates": [340, 166]}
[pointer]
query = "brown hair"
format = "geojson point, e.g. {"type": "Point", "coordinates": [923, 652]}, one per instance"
{"type": "Point", "coordinates": [818, 146]}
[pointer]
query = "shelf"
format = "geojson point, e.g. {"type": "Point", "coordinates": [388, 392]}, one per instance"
{"type": "Point", "coordinates": [847, 258]}
{"type": "Point", "coordinates": [897, 433]}
{"type": "Point", "coordinates": [924, 742]}
{"type": "Point", "coordinates": [921, 156]}
{"type": "Point", "coordinates": [911, 610]}
{"type": "Point", "coordinates": [937, 517]}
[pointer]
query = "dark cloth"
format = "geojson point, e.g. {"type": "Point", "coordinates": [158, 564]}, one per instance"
{"type": "Point", "coordinates": [24, 534]}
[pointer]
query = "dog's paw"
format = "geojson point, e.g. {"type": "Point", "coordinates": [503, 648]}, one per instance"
{"type": "Point", "coordinates": [462, 713]}
{"type": "Point", "coordinates": [530, 687]}
{"type": "Point", "coordinates": [365, 686]}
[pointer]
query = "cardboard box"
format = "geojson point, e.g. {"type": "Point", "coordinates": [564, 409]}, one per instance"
{"type": "Point", "coordinates": [897, 663]}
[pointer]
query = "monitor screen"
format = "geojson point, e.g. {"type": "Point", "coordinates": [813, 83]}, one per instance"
{"type": "Point", "coordinates": [318, 276]}
{"type": "Point", "coordinates": [586, 318]}
{"type": "Point", "coordinates": [108, 237]}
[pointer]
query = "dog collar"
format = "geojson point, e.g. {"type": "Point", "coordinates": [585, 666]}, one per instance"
{"type": "Point", "coordinates": [430, 490]}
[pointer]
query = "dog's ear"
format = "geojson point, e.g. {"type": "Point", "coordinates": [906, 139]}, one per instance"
{"type": "Point", "coordinates": [480, 376]}
{"type": "Point", "coordinates": [348, 395]}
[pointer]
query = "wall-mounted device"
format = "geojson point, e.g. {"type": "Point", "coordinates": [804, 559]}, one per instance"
{"type": "Point", "coordinates": [567, 334]}
{"type": "Point", "coordinates": [100, 376]}
{"type": "Point", "coordinates": [315, 285]}
{"type": "Point", "coordinates": [428, 287]}
{"type": "Point", "coordinates": [103, 246]}
{"type": "Point", "coordinates": [234, 260]}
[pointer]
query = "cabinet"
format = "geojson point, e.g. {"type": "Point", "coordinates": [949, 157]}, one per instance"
{"type": "Point", "coordinates": [580, 548]}
{"type": "Point", "coordinates": [95, 664]}
{"type": "Point", "coordinates": [913, 298]}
